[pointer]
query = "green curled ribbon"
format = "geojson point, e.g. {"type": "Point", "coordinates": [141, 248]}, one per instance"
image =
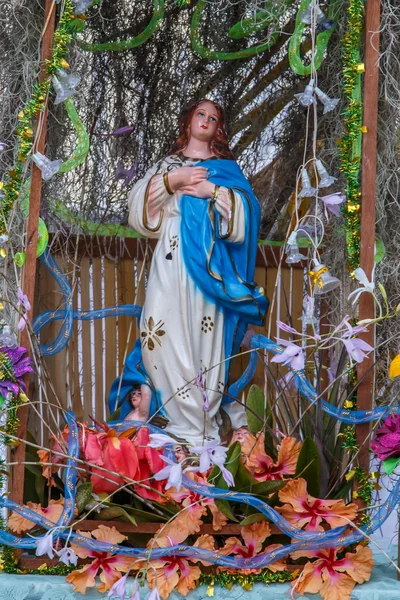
{"type": "Point", "coordinates": [295, 60]}
{"type": "Point", "coordinates": [205, 52]}
{"type": "Point", "coordinates": [135, 41]}
{"type": "Point", "coordinates": [261, 20]}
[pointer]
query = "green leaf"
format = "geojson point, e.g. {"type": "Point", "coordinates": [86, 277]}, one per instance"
{"type": "Point", "coordinates": [256, 403]}
{"type": "Point", "coordinates": [224, 507]}
{"type": "Point", "coordinates": [142, 515]}
{"type": "Point", "coordinates": [308, 466]}
{"type": "Point", "coordinates": [116, 415]}
{"type": "Point", "coordinates": [243, 479]}
{"type": "Point", "coordinates": [83, 495]}
{"type": "Point", "coordinates": [256, 518]}
{"type": "Point", "coordinates": [383, 292]}
{"type": "Point", "coordinates": [390, 464]}
{"type": "Point", "coordinates": [115, 513]}
{"type": "Point", "coordinates": [380, 251]}
{"type": "Point", "coordinates": [264, 488]}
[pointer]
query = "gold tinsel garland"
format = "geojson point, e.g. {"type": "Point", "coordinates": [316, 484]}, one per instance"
{"type": "Point", "coordinates": [24, 132]}
{"type": "Point", "coordinates": [350, 145]}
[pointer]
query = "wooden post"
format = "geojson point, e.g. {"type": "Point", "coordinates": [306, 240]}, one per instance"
{"type": "Point", "coordinates": [368, 194]}
{"type": "Point", "coordinates": [29, 274]}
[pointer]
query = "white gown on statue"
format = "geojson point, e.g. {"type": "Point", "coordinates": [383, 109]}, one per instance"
{"type": "Point", "coordinates": [181, 331]}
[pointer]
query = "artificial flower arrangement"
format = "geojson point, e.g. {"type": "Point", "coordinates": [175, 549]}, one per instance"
{"type": "Point", "coordinates": [125, 475]}
{"type": "Point", "coordinates": [138, 477]}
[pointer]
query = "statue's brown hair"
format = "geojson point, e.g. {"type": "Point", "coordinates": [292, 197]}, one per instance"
{"type": "Point", "coordinates": [219, 144]}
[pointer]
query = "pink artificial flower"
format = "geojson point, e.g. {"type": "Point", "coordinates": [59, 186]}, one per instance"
{"type": "Point", "coordinates": [292, 356]}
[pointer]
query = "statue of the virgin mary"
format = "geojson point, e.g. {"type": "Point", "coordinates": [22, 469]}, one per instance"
{"type": "Point", "coordinates": [200, 294]}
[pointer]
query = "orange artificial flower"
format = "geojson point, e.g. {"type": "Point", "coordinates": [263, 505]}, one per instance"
{"type": "Point", "coordinates": [196, 506]}
{"type": "Point", "coordinates": [254, 536]}
{"type": "Point", "coordinates": [173, 572]}
{"type": "Point", "coordinates": [304, 510]}
{"type": "Point", "coordinates": [110, 565]}
{"type": "Point", "coordinates": [262, 466]}
{"type": "Point", "coordinates": [333, 578]}
{"type": "Point", "coordinates": [18, 524]}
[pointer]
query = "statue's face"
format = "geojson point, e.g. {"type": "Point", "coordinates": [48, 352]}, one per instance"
{"type": "Point", "coordinates": [204, 122]}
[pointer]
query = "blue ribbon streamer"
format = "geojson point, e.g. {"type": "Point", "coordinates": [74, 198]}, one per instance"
{"type": "Point", "coordinates": [68, 314]}
{"type": "Point", "coordinates": [352, 417]}
{"type": "Point", "coordinates": [310, 540]}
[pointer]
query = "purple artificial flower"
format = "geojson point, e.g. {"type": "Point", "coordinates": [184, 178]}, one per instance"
{"type": "Point", "coordinates": [44, 545]}
{"type": "Point", "coordinates": [201, 385]}
{"type": "Point", "coordinates": [332, 202]}
{"type": "Point", "coordinates": [213, 453]}
{"type": "Point", "coordinates": [23, 300]}
{"type": "Point", "coordinates": [246, 341]}
{"type": "Point", "coordinates": [135, 592]}
{"type": "Point", "coordinates": [288, 382]}
{"type": "Point", "coordinates": [125, 175]}
{"type": "Point", "coordinates": [119, 131]}
{"type": "Point", "coordinates": [284, 327]}
{"type": "Point", "coordinates": [67, 556]}
{"type": "Point", "coordinates": [159, 440]}
{"type": "Point", "coordinates": [387, 439]}
{"type": "Point", "coordinates": [172, 472]}
{"type": "Point", "coordinates": [119, 588]}
{"type": "Point", "coordinates": [21, 323]}
{"type": "Point", "coordinates": [355, 348]}
{"type": "Point", "coordinates": [154, 595]}
{"type": "Point", "coordinates": [292, 356]}
{"type": "Point", "coordinates": [13, 369]}
{"type": "Point", "coordinates": [332, 369]}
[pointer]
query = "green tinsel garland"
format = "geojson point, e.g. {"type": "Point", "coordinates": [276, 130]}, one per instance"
{"type": "Point", "coordinates": [24, 132]}
{"type": "Point", "coordinates": [350, 145]}
{"type": "Point", "coordinates": [246, 581]}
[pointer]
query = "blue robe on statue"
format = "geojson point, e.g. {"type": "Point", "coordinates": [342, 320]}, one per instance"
{"type": "Point", "coordinates": [222, 271]}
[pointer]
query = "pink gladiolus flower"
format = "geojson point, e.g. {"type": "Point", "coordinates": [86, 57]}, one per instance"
{"type": "Point", "coordinates": [114, 452]}
{"type": "Point", "coordinates": [355, 348]}
{"type": "Point", "coordinates": [292, 356]}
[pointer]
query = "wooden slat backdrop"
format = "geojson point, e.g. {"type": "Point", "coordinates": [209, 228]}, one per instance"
{"type": "Point", "coordinates": [105, 273]}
